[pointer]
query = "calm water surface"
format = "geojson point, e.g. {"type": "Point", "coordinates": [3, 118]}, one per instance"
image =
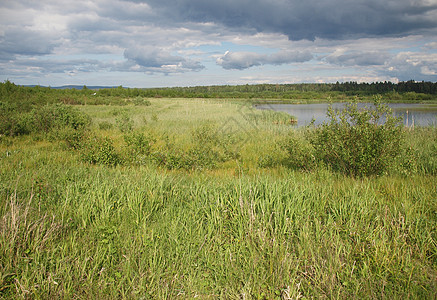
{"type": "Point", "coordinates": [413, 114]}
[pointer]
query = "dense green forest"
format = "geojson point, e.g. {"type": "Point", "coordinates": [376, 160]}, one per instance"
{"type": "Point", "coordinates": [25, 97]}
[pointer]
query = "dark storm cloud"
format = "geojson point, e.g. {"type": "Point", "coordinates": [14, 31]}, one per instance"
{"type": "Point", "coordinates": [18, 41]}
{"type": "Point", "coordinates": [244, 60]}
{"type": "Point", "coordinates": [310, 19]}
{"type": "Point", "coordinates": [93, 24]}
{"type": "Point", "coordinates": [127, 11]}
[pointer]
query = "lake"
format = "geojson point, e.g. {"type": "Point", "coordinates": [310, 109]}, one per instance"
{"type": "Point", "coordinates": [412, 113]}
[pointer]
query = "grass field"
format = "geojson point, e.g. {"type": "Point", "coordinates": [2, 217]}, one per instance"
{"type": "Point", "coordinates": [193, 198]}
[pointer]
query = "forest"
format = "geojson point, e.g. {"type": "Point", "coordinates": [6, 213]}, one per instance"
{"type": "Point", "coordinates": [402, 91]}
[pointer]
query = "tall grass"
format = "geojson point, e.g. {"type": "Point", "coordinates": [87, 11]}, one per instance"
{"type": "Point", "coordinates": [240, 230]}
{"type": "Point", "coordinates": [162, 235]}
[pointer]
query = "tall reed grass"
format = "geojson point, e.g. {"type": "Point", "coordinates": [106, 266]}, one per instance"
{"type": "Point", "coordinates": [240, 230]}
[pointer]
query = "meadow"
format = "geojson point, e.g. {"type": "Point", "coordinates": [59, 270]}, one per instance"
{"type": "Point", "coordinates": [164, 198]}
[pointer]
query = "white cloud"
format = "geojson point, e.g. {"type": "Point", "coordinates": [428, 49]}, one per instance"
{"type": "Point", "coordinates": [411, 65]}
{"type": "Point", "coordinates": [244, 60]}
{"type": "Point", "coordinates": [158, 60]}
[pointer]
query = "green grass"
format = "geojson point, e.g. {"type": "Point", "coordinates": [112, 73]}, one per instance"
{"type": "Point", "coordinates": [70, 229]}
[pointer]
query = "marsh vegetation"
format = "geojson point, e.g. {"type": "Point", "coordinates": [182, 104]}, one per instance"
{"type": "Point", "coordinates": [179, 198]}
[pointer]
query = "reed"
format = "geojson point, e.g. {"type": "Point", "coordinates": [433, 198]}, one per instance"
{"type": "Point", "coordinates": [72, 229]}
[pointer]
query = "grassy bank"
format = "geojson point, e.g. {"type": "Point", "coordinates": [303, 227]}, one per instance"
{"type": "Point", "coordinates": [209, 208]}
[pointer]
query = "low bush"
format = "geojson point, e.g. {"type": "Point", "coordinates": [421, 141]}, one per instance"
{"type": "Point", "coordinates": [210, 146]}
{"type": "Point", "coordinates": [92, 149]}
{"type": "Point", "coordinates": [171, 157]}
{"type": "Point", "coordinates": [57, 116]}
{"type": "Point", "coordinates": [141, 101]}
{"type": "Point", "coordinates": [139, 146]}
{"type": "Point", "coordinates": [300, 152]}
{"type": "Point", "coordinates": [13, 123]}
{"type": "Point", "coordinates": [269, 161]}
{"type": "Point", "coordinates": [359, 142]}
{"type": "Point", "coordinates": [100, 151]}
{"type": "Point", "coordinates": [40, 119]}
{"type": "Point", "coordinates": [75, 139]}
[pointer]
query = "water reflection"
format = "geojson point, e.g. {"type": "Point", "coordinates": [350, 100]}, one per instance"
{"type": "Point", "coordinates": [413, 114]}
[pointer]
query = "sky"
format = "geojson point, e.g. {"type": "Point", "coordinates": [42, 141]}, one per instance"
{"type": "Point", "coordinates": [163, 43]}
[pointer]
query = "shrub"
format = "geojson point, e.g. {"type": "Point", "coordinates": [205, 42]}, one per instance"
{"type": "Point", "coordinates": [139, 146]}
{"type": "Point", "coordinates": [101, 151]}
{"type": "Point", "coordinates": [57, 116]}
{"type": "Point", "coordinates": [141, 101]}
{"type": "Point", "coordinates": [40, 119]}
{"type": "Point", "coordinates": [359, 142]}
{"type": "Point", "coordinates": [92, 149]}
{"type": "Point", "coordinates": [75, 139]}
{"type": "Point", "coordinates": [205, 135]}
{"type": "Point", "coordinates": [201, 158]}
{"type": "Point", "coordinates": [13, 123]}
{"type": "Point", "coordinates": [193, 158]}
{"type": "Point", "coordinates": [209, 147]}
{"type": "Point", "coordinates": [300, 152]}
{"type": "Point", "coordinates": [171, 157]}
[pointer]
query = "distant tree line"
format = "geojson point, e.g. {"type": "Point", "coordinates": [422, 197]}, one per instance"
{"type": "Point", "coordinates": [24, 98]}
{"type": "Point", "coordinates": [387, 87]}
{"type": "Point", "coordinates": [291, 91]}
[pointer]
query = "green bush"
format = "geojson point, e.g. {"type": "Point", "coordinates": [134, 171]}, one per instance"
{"type": "Point", "coordinates": [40, 119]}
{"type": "Point", "coordinates": [139, 146]}
{"type": "Point", "coordinates": [210, 146]}
{"type": "Point", "coordinates": [57, 116]}
{"type": "Point", "coordinates": [175, 157]}
{"type": "Point", "coordinates": [300, 152]}
{"type": "Point", "coordinates": [92, 149]}
{"type": "Point", "coordinates": [13, 123]}
{"type": "Point", "coordinates": [359, 142]}
{"type": "Point", "coordinates": [101, 151]}
{"type": "Point", "coordinates": [171, 157]}
{"type": "Point", "coordinates": [141, 101]}
{"type": "Point", "coordinates": [75, 139]}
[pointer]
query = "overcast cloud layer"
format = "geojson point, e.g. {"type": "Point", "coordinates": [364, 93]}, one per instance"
{"type": "Point", "coordinates": [204, 42]}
